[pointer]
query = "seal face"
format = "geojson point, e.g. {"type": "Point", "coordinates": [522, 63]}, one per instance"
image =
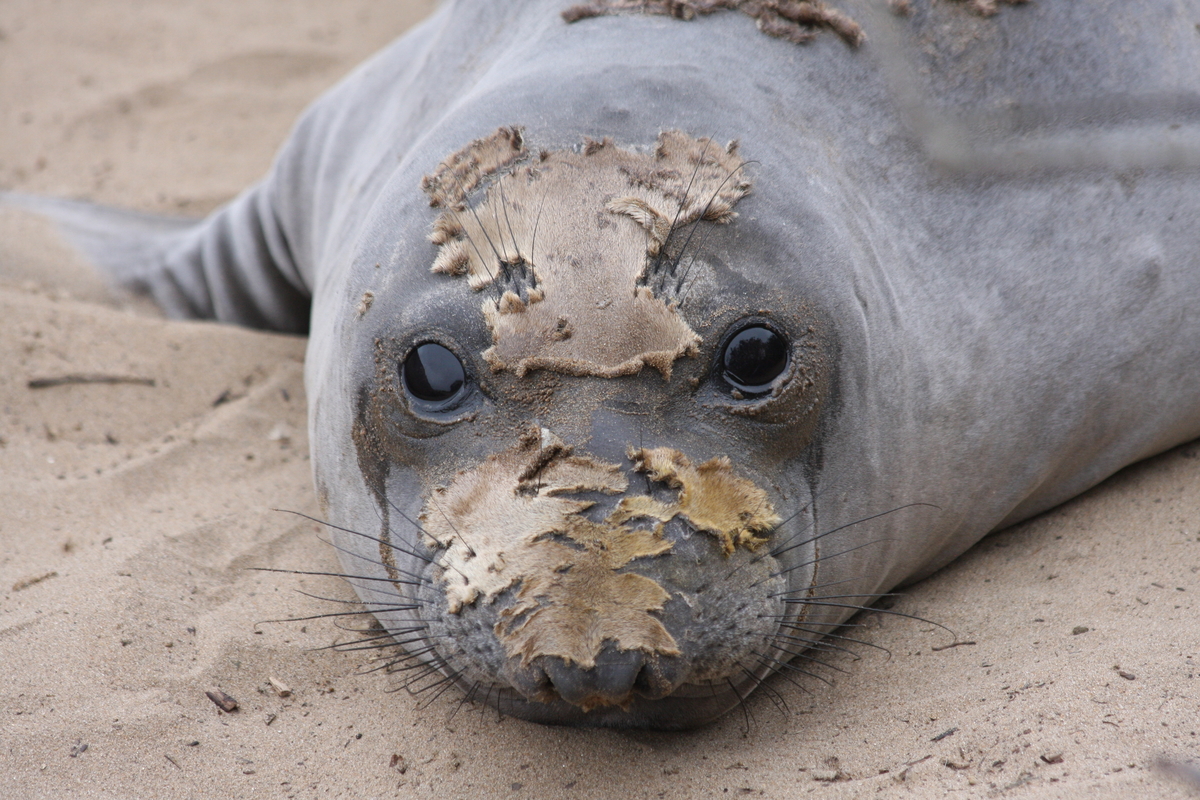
{"type": "Point", "coordinates": [596, 561]}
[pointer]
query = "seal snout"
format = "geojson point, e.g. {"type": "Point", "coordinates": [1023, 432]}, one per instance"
{"type": "Point", "coordinates": [616, 678]}
{"type": "Point", "coordinates": [585, 595]}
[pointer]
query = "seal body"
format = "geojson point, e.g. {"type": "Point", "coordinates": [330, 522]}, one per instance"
{"type": "Point", "coordinates": [614, 418]}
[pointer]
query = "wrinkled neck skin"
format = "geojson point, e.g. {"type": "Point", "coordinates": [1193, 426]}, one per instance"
{"type": "Point", "coordinates": [543, 543]}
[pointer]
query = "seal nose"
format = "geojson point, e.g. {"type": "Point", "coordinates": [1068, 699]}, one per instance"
{"type": "Point", "coordinates": [609, 683]}
{"type": "Point", "coordinates": [617, 676]}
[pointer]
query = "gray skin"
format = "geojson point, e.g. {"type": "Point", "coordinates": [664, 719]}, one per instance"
{"type": "Point", "coordinates": [989, 271]}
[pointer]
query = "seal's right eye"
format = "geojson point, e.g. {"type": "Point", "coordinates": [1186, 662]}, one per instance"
{"type": "Point", "coordinates": [433, 374]}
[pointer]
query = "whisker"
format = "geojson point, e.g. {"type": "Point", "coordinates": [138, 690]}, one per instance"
{"type": "Point", "coordinates": [416, 604]}
{"type": "Point", "coordinates": [818, 559]}
{"type": "Point", "coordinates": [778, 547]}
{"type": "Point", "coordinates": [687, 191]}
{"type": "Point", "coordinates": [331, 614]}
{"type": "Point", "coordinates": [787, 665]}
{"type": "Point", "coordinates": [813, 644]}
{"type": "Point", "coordinates": [803, 654]}
{"type": "Point", "coordinates": [413, 680]}
{"type": "Point", "coordinates": [412, 684]}
{"type": "Point", "coordinates": [487, 701]}
{"type": "Point", "coordinates": [467, 204]}
{"type": "Point", "coordinates": [781, 550]}
{"type": "Point", "coordinates": [858, 607]}
{"type": "Point", "coordinates": [391, 667]}
{"type": "Point", "coordinates": [537, 221]}
{"type": "Point", "coordinates": [425, 667]}
{"type": "Point", "coordinates": [423, 532]}
{"type": "Point", "coordinates": [770, 691]}
{"type": "Point", "coordinates": [364, 644]}
{"type": "Point", "coordinates": [398, 664]}
{"type": "Point", "coordinates": [789, 620]}
{"type": "Point", "coordinates": [744, 706]}
{"type": "Point", "coordinates": [454, 530]}
{"type": "Point", "coordinates": [367, 536]}
{"type": "Point", "coordinates": [347, 576]}
{"type": "Point", "coordinates": [831, 596]}
{"type": "Point", "coordinates": [818, 586]}
{"type": "Point", "coordinates": [508, 222]}
{"type": "Point", "coordinates": [445, 683]}
{"type": "Point", "coordinates": [373, 562]}
{"type": "Point", "coordinates": [466, 698]}
{"type": "Point", "coordinates": [688, 241]}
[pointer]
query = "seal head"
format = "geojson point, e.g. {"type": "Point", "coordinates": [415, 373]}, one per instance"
{"type": "Point", "coordinates": [595, 541]}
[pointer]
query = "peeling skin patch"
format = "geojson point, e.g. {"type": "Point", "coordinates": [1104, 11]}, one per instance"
{"type": "Point", "coordinates": [461, 173]}
{"type": "Point", "coordinates": [986, 8]}
{"type": "Point", "coordinates": [494, 523]}
{"type": "Point", "coordinates": [794, 20]}
{"type": "Point", "coordinates": [364, 304]}
{"type": "Point", "coordinates": [509, 523]}
{"type": "Point", "coordinates": [711, 498]}
{"type": "Point", "coordinates": [554, 235]}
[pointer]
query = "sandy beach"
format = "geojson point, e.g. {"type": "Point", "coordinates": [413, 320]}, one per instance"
{"type": "Point", "coordinates": [135, 511]}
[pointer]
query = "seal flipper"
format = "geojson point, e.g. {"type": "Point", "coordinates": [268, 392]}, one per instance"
{"type": "Point", "coordinates": [233, 266]}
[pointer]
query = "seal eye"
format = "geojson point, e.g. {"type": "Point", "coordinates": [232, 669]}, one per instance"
{"type": "Point", "coordinates": [432, 373]}
{"type": "Point", "coordinates": [754, 358]}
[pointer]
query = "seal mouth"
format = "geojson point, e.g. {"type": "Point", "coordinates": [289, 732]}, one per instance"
{"type": "Point", "coordinates": [561, 586]}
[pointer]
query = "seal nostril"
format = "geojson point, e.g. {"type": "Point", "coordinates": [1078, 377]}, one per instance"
{"type": "Point", "coordinates": [651, 683]}
{"type": "Point", "coordinates": [532, 682]}
{"type": "Point", "coordinates": [610, 682]}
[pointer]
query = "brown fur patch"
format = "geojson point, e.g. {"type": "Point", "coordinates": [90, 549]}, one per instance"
{"type": "Point", "coordinates": [711, 498]}
{"type": "Point", "coordinates": [495, 523]}
{"type": "Point", "coordinates": [986, 8]}
{"type": "Point", "coordinates": [794, 20]}
{"type": "Point", "coordinates": [575, 234]}
{"type": "Point", "coordinates": [506, 524]}
{"type": "Point", "coordinates": [461, 173]}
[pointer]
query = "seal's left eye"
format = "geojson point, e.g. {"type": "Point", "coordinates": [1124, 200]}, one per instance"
{"type": "Point", "coordinates": [754, 358]}
{"type": "Point", "coordinates": [432, 373]}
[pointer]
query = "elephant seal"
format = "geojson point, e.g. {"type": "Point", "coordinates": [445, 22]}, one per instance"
{"type": "Point", "coordinates": [645, 350]}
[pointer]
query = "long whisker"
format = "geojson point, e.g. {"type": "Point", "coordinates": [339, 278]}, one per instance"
{"type": "Point", "coordinates": [454, 530]}
{"type": "Point", "coordinates": [446, 682]}
{"type": "Point", "coordinates": [707, 207]}
{"type": "Point", "coordinates": [347, 576]}
{"type": "Point", "coordinates": [537, 221]}
{"type": "Point", "coordinates": [858, 607]}
{"type": "Point", "coordinates": [426, 533]}
{"type": "Point", "coordinates": [781, 550]}
{"type": "Point", "coordinates": [812, 561]}
{"type": "Point", "coordinates": [335, 614]}
{"type": "Point", "coordinates": [804, 654]}
{"type": "Point", "coordinates": [466, 698]}
{"type": "Point", "coordinates": [687, 191]}
{"type": "Point", "coordinates": [361, 557]}
{"type": "Point", "coordinates": [467, 204]}
{"type": "Point", "coordinates": [775, 697]}
{"type": "Point", "coordinates": [812, 644]}
{"type": "Point", "coordinates": [776, 663]}
{"type": "Point", "coordinates": [508, 222]}
{"type": "Point", "coordinates": [358, 602]}
{"type": "Point", "coordinates": [367, 536]}
{"type": "Point", "coordinates": [742, 703]}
